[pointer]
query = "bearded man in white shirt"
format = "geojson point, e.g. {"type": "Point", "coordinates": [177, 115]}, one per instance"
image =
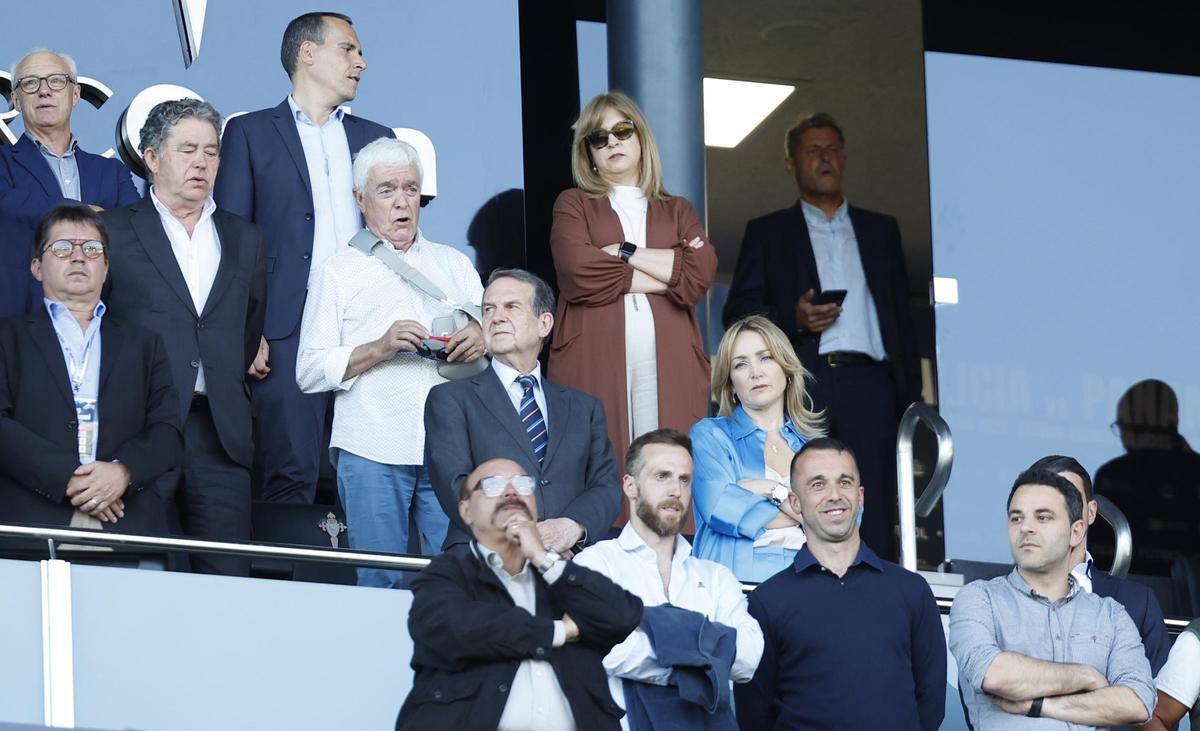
{"type": "Point", "coordinates": [362, 327]}
{"type": "Point", "coordinates": [651, 560]}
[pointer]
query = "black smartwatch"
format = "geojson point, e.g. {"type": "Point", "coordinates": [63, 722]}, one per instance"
{"type": "Point", "coordinates": [627, 250]}
{"type": "Point", "coordinates": [1035, 710]}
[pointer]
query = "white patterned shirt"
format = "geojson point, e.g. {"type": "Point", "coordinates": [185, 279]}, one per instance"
{"type": "Point", "coordinates": [380, 413]}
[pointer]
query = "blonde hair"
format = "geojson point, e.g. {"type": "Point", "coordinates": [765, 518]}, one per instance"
{"type": "Point", "coordinates": [797, 403]}
{"type": "Point", "coordinates": [587, 178]}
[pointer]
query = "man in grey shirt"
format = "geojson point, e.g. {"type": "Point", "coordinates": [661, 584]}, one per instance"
{"type": "Point", "coordinates": [1033, 645]}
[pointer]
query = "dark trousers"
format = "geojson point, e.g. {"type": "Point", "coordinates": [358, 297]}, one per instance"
{"type": "Point", "coordinates": [860, 406]}
{"type": "Point", "coordinates": [213, 493]}
{"type": "Point", "coordinates": [289, 429]}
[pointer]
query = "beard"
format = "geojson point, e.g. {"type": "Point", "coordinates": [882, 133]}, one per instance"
{"type": "Point", "coordinates": [663, 528]}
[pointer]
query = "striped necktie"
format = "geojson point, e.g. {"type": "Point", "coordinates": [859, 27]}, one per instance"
{"type": "Point", "coordinates": [532, 419]}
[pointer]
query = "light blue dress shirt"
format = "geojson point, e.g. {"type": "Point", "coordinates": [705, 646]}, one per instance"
{"type": "Point", "coordinates": [728, 516]}
{"type": "Point", "coordinates": [81, 354]}
{"type": "Point", "coordinates": [839, 266]}
{"type": "Point", "coordinates": [64, 167]}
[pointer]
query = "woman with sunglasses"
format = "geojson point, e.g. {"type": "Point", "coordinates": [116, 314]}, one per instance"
{"type": "Point", "coordinates": [743, 456]}
{"type": "Point", "coordinates": [632, 263]}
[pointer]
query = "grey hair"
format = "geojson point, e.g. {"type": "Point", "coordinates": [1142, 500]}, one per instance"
{"type": "Point", "coordinates": [166, 115]}
{"type": "Point", "coordinates": [307, 27]}
{"type": "Point", "coordinates": [70, 62]}
{"type": "Point", "coordinates": [384, 151]}
{"type": "Point", "coordinates": [543, 296]}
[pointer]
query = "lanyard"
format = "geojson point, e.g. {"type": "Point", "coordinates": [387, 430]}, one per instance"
{"type": "Point", "coordinates": [77, 370]}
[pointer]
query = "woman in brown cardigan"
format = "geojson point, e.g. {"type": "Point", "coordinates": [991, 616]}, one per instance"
{"type": "Point", "coordinates": [632, 263]}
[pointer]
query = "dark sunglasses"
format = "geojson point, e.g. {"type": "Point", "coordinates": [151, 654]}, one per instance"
{"type": "Point", "coordinates": [62, 248]}
{"type": "Point", "coordinates": [598, 137]}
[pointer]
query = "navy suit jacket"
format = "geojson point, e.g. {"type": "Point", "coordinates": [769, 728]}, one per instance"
{"type": "Point", "coordinates": [264, 178]}
{"type": "Point", "coordinates": [1143, 608]}
{"type": "Point", "coordinates": [146, 286]}
{"type": "Point", "coordinates": [472, 420]}
{"type": "Point", "coordinates": [138, 412]}
{"type": "Point", "coordinates": [776, 265]}
{"type": "Point", "coordinates": [28, 189]}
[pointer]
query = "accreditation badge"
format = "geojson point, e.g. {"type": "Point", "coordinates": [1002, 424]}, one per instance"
{"type": "Point", "coordinates": [85, 410]}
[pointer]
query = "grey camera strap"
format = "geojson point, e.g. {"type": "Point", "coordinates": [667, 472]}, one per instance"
{"type": "Point", "coordinates": [372, 245]}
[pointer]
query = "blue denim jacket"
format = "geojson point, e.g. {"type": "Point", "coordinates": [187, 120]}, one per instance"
{"type": "Point", "coordinates": [729, 517]}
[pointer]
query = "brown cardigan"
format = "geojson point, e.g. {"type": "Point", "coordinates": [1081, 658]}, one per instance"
{"type": "Point", "coordinates": [588, 349]}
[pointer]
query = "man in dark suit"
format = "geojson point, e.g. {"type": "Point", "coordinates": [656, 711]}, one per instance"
{"type": "Point", "coordinates": [506, 634]}
{"type": "Point", "coordinates": [288, 169]}
{"type": "Point", "coordinates": [1139, 601]}
{"type": "Point", "coordinates": [195, 274]}
{"type": "Point", "coordinates": [67, 364]}
{"type": "Point", "coordinates": [46, 168]}
{"type": "Point", "coordinates": [509, 410]}
{"type": "Point", "coordinates": [861, 350]}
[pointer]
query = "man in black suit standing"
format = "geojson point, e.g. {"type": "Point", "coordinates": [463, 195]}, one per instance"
{"type": "Point", "coordinates": [68, 364]}
{"type": "Point", "coordinates": [556, 433]}
{"type": "Point", "coordinates": [506, 634]}
{"type": "Point", "coordinates": [860, 348]}
{"type": "Point", "coordinates": [288, 169]}
{"type": "Point", "coordinates": [195, 274]}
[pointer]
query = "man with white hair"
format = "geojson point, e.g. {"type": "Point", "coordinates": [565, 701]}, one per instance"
{"type": "Point", "coordinates": [46, 168]}
{"type": "Point", "coordinates": [364, 332]}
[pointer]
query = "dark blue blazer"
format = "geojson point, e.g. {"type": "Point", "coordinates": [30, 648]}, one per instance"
{"type": "Point", "coordinates": [28, 189]}
{"type": "Point", "coordinates": [264, 178]}
{"type": "Point", "coordinates": [776, 265]}
{"type": "Point", "coordinates": [1143, 608]}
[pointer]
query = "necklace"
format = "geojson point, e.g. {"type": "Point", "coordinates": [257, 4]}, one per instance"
{"type": "Point", "coordinates": [774, 449]}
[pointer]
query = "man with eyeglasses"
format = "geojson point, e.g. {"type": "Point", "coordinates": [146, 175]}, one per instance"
{"type": "Point", "coordinates": [47, 168]}
{"type": "Point", "coordinates": [832, 276]}
{"type": "Point", "coordinates": [88, 411]}
{"type": "Point", "coordinates": [508, 635]}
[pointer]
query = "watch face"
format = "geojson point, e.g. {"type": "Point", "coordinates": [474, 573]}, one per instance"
{"type": "Point", "coordinates": [780, 493]}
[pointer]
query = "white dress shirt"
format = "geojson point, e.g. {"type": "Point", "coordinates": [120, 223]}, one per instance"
{"type": "Point", "coordinates": [380, 413]}
{"type": "Point", "coordinates": [516, 392]}
{"type": "Point", "coordinates": [535, 698]}
{"type": "Point", "coordinates": [199, 256]}
{"type": "Point", "coordinates": [839, 266]}
{"type": "Point", "coordinates": [330, 171]}
{"type": "Point", "coordinates": [697, 584]}
{"type": "Point", "coordinates": [1083, 572]}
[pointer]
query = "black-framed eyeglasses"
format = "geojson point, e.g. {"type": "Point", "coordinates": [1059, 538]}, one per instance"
{"type": "Point", "coordinates": [598, 137]}
{"type": "Point", "coordinates": [495, 485]}
{"type": "Point", "coordinates": [56, 82]}
{"type": "Point", "coordinates": [62, 248]}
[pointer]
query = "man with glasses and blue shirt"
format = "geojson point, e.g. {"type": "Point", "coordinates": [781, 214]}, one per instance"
{"type": "Point", "coordinates": [46, 168]}
{"type": "Point", "coordinates": [507, 634]}
{"type": "Point", "coordinates": [108, 382]}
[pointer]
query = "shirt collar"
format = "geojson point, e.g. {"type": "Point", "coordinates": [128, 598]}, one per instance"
{"type": "Point", "coordinates": [815, 215]}
{"type": "Point", "coordinates": [1018, 582]}
{"type": "Point", "coordinates": [495, 561]}
{"type": "Point", "coordinates": [299, 115]}
{"type": "Point", "coordinates": [630, 541]}
{"type": "Point", "coordinates": [414, 249]}
{"type": "Point", "coordinates": [508, 375]}
{"type": "Point", "coordinates": [58, 309]}
{"type": "Point", "coordinates": [805, 560]}
{"type": "Point", "coordinates": [74, 143]}
{"type": "Point", "coordinates": [746, 426]}
{"type": "Point", "coordinates": [209, 206]}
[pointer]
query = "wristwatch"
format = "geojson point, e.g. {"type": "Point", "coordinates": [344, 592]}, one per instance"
{"type": "Point", "coordinates": [627, 250]}
{"type": "Point", "coordinates": [552, 557]}
{"type": "Point", "coordinates": [779, 494]}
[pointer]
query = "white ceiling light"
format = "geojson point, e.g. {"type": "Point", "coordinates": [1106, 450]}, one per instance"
{"type": "Point", "coordinates": [732, 109]}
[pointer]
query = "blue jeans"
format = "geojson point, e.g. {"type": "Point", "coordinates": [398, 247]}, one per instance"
{"type": "Point", "coordinates": [377, 498]}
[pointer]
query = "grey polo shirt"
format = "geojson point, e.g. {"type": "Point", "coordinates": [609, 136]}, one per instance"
{"type": "Point", "coordinates": [1006, 615]}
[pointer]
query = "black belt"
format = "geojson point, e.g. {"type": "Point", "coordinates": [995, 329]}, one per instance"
{"type": "Point", "coordinates": [199, 401]}
{"type": "Point", "coordinates": [842, 358]}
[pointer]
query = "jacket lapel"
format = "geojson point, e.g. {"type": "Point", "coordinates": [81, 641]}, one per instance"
{"type": "Point", "coordinates": [27, 155]}
{"type": "Point", "coordinates": [89, 180]}
{"type": "Point", "coordinates": [286, 125]}
{"type": "Point", "coordinates": [803, 248]}
{"type": "Point", "coordinates": [149, 229]}
{"type": "Point", "coordinates": [47, 342]}
{"type": "Point", "coordinates": [559, 405]}
{"type": "Point", "coordinates": [111, 343]}
{"type": "Point", "coordinates": [227, 263]}
{"type": "Point", "coordinates": [491, 393]}
{"type": "Point", "coordinates": [867, 254]}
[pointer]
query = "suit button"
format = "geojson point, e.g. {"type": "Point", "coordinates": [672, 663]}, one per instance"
{"type": "Point", "coordinates": [307, 216]}
{"type": "Point", "coordinates": [72, 425]}
{"type": "Point", "coordinates": [570, 577]}
{"type": "Point", "coordinates": [545, 482]}
{"type": "Point", "coordinates": [437, 694]}
{"type": "Point", "coordinates": [503, 688]}
{"type": "Point", "coordinates": [540, 652]}
{"type": "Point", "coordinates": [306, 256]}
{"type": "Point", "coordinates": [199, 325]}
{"type": "Point", "coordinates": [195, 364]}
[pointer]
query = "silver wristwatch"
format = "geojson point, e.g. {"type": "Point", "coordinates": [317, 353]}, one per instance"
{"type": "Point", "coordinates": [779, 494]}
{"type": "Point", "coordinates": [552, 557]}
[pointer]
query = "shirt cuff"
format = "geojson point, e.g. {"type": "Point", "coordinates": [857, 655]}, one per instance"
{"type": "Point", "coordinates": [560, 634]}
{"type": "Point", "coordinates": [336, 361]}
{"type": "Point", "coordinates": [556, 570]}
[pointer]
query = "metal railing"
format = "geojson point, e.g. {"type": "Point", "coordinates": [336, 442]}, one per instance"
{"type": "Point", "coordinates": [1123, 549]}
{"type": "Point", "coordinates": [909, 506]}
